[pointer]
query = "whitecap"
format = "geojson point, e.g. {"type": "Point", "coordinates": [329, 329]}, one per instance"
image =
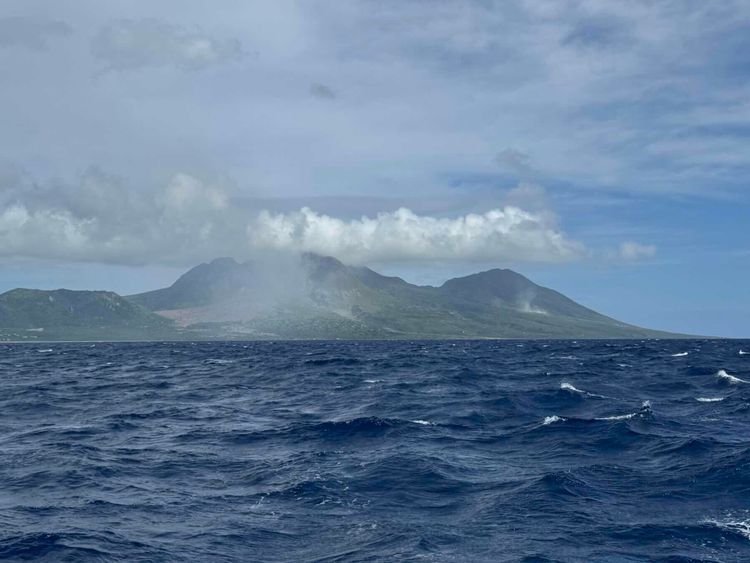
{"type": "Point", "coordinates": [219, 362]}
{"type": "Point", "coordinates": [741, 527]}
{"type": "Point", "coordinates": [569, 387]}
{"type": "Point", "coordinates": [551, 419]}
{"type": "Point", "coordinates": [44, 350]}
{"type": "Point", "coordinates": [423, 422]}
{"type": "Point", "coordinates": [709, 399]}
{"type": "Point", "coordinates": [373, 380]}
{"type": "Point", "coordinates": [732, 379]}
{"type": "Point", "coordinates": [565, 386]}
{"type": "Point", "coordinates": [618, 417]}
{"type": "Point", "coordinates": [645, 408]}
{"type": "Point", "coordinates": [680, 354]}
{"type": "Point", "coordinates": [743, 353]}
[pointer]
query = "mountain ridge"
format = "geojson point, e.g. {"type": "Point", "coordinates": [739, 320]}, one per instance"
{"type": "Point", "coordinates": [496, 303]}
{"type": "Point", "coordinates": [311, 297]}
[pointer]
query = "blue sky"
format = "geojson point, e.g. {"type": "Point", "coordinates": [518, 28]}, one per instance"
{"type": "Point", "coordinates": [599, 147]}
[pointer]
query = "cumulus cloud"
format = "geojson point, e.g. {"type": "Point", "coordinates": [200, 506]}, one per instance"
{"type": "Point", "coordinates": [31, 32]}
{"type": "Point", "coordinates": [100, 219]}
{"type": "Point", "coordinates": [632, 251]}
{"type": "Point", "coordinates": [497, 235]}
{"type": "Point", "coordinates": [132, 44]}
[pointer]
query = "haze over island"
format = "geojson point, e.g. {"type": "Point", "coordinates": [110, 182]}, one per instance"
{"type": "Point", "coordinates": [597, 148]}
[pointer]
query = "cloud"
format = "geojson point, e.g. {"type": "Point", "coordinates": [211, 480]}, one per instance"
{"type": "Point", "coordinates": [531, 197]}
{"type": "Point", "coordinates": [322, 91]}
{"type": "Point", "coordinates": [497, 235]}
{"type": "Point", "coordinates": [31, 32]}
{"type": "Point", "coordinates": [599, 32]}
{"type": "Point", "coordinates": [99, 219]}
{"type": "Point", "coordinates": [514, 160]}
{"type": "Point", "coordinates": [632, 251]}
{"type": "Point", "coordinates": [132, 44]}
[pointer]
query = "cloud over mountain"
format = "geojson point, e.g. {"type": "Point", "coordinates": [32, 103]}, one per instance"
{"type": "Point", "coordinates": [499, 234]}
{"type": "Point", "coordinates": [100, 219]}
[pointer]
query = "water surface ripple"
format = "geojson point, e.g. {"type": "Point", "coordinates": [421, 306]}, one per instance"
{"type": "Point", "coordinates": [368, 451]}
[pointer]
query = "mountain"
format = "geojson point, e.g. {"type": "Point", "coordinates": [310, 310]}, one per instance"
{"type": "Point", "coordinates": [33, 314]}
{"type": "Point", "coordinates": [308, 297]}
{"type": "Point", "coordinates": [320, 297]}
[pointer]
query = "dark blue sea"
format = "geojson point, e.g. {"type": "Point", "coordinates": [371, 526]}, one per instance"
{"type": "Point", "coordinates": [376, 451]}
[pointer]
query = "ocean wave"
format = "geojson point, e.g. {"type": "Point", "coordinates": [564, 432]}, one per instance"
{"type": "Point", "coordinates": [739, 527]}
{"type": "Point", "coordinates": [552, 419]}
{"type": "Point", "coordinates": [463, 452]}
{"type": "Point", "coordinates": [569, 387]}
{"type": "Point", "coordinates": [411, 477]}
{"type": "Point", "coordinates": [618, 416]}
{"type": "Point", "coordinates": [645, 409]}
{"type": "Point", "coordinates": [680, 354]}
{"type": "Point", "coordinates": [73, 546]}
{"type": "Point", "coordinates": [722, 374]}
{"type": "Point", "coordinates": [335, 361]}
{"type": "Point", "coordinates": [565, 386]}
{"type": "Point", "coordinates": [370, 426]}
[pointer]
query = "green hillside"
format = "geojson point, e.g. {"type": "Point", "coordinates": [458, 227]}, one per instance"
{"type": "Point", "coordinates": [33, 314]}
{"type": "Point", "coordinates": [314, 297]}
{"type": "Point", "coordinates": [226, 298]}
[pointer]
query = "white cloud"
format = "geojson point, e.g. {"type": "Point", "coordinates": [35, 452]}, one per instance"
{"type": "Point", "coordinates": [188, 220]}
{"type": "Point", "coordinates": [100, 220]}
{"type": "Point", "coordinates": [130, 44]}
{"type": "Point", "coordinates": [497, 235]}
{"type": "Point", "coordinates": [632, 251]}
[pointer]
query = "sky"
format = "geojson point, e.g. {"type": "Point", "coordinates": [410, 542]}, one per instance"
{"type": "Point", "coordinates": [599, 147]}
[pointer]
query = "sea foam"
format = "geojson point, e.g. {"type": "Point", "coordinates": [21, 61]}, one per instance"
{"type": "Point", "coordinates": [565, 386]}
{"type": "Point", "coordinates": [550, 419]}
{"type": "Point", "coordinates": [741, 527]}
{"type": "Point", "coordinates": [645, 408]}
{"type": "Point", "coordinates": [730, 378]}
{"type": "Point", "coordinates": [569, 387]}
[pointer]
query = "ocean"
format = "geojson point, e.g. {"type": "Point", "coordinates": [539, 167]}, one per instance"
{"type": "Point", "coordinates": [376, 451]}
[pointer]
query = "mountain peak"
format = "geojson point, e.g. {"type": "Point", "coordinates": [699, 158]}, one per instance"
{"type": "Point", "coordinates": [223, 261]}
{"type": "Point", "coordinates": [317, 296]}
{"type": "Point", "coordinates": [496, 281]}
